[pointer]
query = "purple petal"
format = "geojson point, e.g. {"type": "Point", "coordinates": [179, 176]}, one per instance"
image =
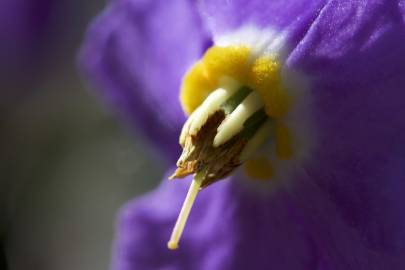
{"type": "Point", "coordinates": [135, 54]}
{"type": "Point", "coordinates": [235, 228]}
{"type": "Point", "coordinates": [295, 16]}
{"type": "Point", "coordinates": [354, 53]}
{"type": "Point", "coordinates": [343, 208]}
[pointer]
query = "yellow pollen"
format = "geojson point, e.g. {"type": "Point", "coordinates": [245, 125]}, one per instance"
{"type": "Point", "coordinates": [265, 78]}
{"type": "Point", "coordinates": [195, 88]}
{"type": "Point", "coordinates": [227, 61]}
{"type": "Point", "coordinates": [259, 168]}
{"type": "Point", "coordinates": [204, 76]}
{"type": "Point", "coordinates": [261, 74]}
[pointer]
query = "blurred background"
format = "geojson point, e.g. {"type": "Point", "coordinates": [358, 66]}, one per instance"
{"type": "Point", "coordinates": [67, 164]}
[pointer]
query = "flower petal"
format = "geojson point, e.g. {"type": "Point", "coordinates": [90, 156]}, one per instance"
{"type": "Point", "coordinates": [294, 16]}
{"type": "Point", "coordinates": [354, 52]}
{"type": "Point", "coordinates": [235, 228]}
{"type": "Point", "coordinates": [343, 207]}
{"type": "Point", "coordinates": [135, 53]}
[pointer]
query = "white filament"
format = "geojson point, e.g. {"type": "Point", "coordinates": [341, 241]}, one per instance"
{"type": "Point", "coordinates": [233, 124]}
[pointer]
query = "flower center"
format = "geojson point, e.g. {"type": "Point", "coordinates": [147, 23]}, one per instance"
{"type": "Point", "coordinates": [225, 91]}
{"type": "Point", "coordinates": [235, 102]}
{"type": "Point", "coordinates": [222, 133]}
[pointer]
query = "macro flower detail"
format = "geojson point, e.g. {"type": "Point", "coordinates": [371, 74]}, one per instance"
{"type": "Point", "coordinates": [248, 82]}
{"type": "Point", "coordinates": [326, 77]}
{"type": "Point", "coordinates": [238, 101]}
{"type": "Point", "coordinates": [248, 90]}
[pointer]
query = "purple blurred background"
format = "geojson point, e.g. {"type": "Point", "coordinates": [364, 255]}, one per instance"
{"type": "Point", "coordinates": [66, 163]}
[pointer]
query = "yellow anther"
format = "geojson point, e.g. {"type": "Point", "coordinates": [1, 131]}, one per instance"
{"type": "Point", "coordinates": [203, 77]}
{"type": "Point", "coordinates": [261, 75]}
{"type": "Point", "coordinates": [264, 77]}
{"type": "Point", "coordinates": [264, 73]}
{"type": "Point", "coordinates": [227, 61]}
{"type": "Point", "coordinates": [195, 88]}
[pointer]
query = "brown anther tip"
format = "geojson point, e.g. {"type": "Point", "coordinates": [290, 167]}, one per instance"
{"type": "Point", "coordinates": [181, 172]}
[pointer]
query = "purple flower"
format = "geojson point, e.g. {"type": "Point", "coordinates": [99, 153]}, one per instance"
{"type": "Point", "coordinates": [336, 202]}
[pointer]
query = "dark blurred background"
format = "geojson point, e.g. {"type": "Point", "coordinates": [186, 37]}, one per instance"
{"type": "Point", "coordinates": [67, 164]}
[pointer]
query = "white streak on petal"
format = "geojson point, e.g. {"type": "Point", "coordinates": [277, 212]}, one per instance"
{"type": "Point", "coordinates": [261, 41]}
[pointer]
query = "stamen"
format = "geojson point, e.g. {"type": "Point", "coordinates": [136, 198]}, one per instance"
{"type": "Point", "coordinates": [210, 105]}
{"type": "Point", "coordinates": [233, 124]}
{"type": "Point", "coordinates": [186, 127]}
{"type": "Point", "coordinates": [233, 102]}
{"type": "Point", "coordinates": [244, 108]}
{"type": "Point", "coordinates": [185, 211]}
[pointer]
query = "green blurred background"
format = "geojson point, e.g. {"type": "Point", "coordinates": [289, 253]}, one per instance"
{"type": "Point", "coordinates": [67, 164]}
